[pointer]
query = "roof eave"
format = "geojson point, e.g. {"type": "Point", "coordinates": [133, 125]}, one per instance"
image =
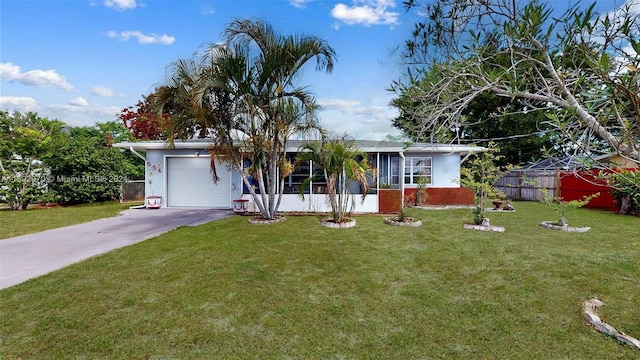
{"type": "Point", "coordinates": [422, 148]}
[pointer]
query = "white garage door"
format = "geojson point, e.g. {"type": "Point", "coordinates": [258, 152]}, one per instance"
{"type": "Point", "coordinates": [190, 183]}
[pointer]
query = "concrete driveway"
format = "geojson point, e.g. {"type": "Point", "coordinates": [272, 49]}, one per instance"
{"type": "Point", "coordinates": [29, 256]}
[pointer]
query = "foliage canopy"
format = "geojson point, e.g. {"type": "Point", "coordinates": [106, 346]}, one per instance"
{"type": "Point", "coordinates": [343, 165]}
{"type": "Point", "coordinates": [579, 67]}
{"type": "Point", "coordinates": [44, 160]}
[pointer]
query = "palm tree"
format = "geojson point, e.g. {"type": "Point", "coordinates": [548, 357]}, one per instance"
{"type": "Point", "coordinates": [174, 103]}
{"type": "Point", "coordinates": [243, 91]}
{"type": "Point", "coordinates": [343, 164]}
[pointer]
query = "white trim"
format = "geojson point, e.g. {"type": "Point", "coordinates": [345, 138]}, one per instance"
{"type": "Point", "coordinates": [367, 147]}
{"type": "Point", "coordinates": [401, 177]}
{"type": "Point", "coordinates": [411, 175]}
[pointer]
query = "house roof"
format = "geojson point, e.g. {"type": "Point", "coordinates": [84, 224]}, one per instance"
{"type": "Point", "coordinates": [552, 163]}
{"type": "Point", "coordinates": [369, 146]}
{"type": "Point", "coordinates": [570, 162]}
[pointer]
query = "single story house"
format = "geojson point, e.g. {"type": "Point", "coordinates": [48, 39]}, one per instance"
{"type": "Point", "coordinates": [180, 176]}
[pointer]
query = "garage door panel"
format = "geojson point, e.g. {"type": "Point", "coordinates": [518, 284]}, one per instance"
{"type": "Point", "coordinates": [190, 183]}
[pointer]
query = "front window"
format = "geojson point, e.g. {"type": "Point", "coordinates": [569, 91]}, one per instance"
{"type": "Point", "coordinates": [302, 170]}
{"type": "Point", "coordinates": [416, 169]}
{"type": "Point", "coordinates": [395, 171]}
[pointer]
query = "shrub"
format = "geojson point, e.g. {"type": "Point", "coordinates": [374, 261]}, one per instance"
{"type": "Point", "coordinates": [625, 187]}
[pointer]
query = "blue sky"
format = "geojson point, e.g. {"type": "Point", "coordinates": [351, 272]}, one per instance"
{"type": "Point", "coordinates": [82, 61]}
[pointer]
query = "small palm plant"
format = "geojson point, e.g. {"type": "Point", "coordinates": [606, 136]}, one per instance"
{"type": "Point", "coordinates": [343, 165]}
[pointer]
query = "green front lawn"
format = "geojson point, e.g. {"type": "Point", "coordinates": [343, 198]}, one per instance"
{"type": "Point", "coordinates": [15, 223]}
{"type": "Point", "coordinates": [230, 290]}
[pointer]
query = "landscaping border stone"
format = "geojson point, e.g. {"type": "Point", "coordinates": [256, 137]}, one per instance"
{"type": "Point", "coordinates": [257, 220]}
{"type": "Point", "coordinates": [553, 226]}
{"type": "Point", "coordinates": [484, 227]}
{"type": "Point", "coordinates": [408, 221]}
{"type": "Point", "coordinates": [334, 225]}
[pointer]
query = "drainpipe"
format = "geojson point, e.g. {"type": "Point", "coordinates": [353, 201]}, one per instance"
{"type": "Point", "coordinates": [401, 178]}
{"type": "Point", "coordinates": [144, 160]}
{"type": "Point", "coordinates": [137, 154]}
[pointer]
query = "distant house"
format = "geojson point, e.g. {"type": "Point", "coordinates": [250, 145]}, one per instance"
{"type": "Point", "coordinates": [181, 176]}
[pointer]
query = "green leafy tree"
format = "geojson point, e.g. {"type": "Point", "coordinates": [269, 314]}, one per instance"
{"type": "Point", "coordinates": [523, 135]}
{"type": "Point", "coordinates": [85, 168]}
{"type": "Point", "coordinates": [243, 95]}
{"type": "Point", "coordinates": [581, 66]}
{"type": "Point", "coordinates": [481, 173]}
{"type": "Point", "coordinates": [343, 165]}
{"type": "Point", "coordinates": [25, 139]}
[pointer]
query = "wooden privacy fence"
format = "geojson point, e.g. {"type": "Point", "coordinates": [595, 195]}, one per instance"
{"type": "Point", "coordinates": [569, 185]}
{"type": "Point", "coordinates": [529, 184]}
{"type": "Point", "coordinates": [132, 191]}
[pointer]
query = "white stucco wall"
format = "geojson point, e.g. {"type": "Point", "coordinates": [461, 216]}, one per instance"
{"type": "Point", "coordinates": [154, 176]}
{"type": "Point", "coordinates": [318, 203]}
{"type": "Point", "coordinates": [445, 169]}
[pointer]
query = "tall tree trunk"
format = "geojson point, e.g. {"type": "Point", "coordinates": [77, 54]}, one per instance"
{"type": "Point", "coordinates": [263, 194]}
{"type": "Point", "coordinates": [252, 192]}
{"type": "Point", "coordinates": [273, 175]}
{"type": "Point", "coordinates": [625, 205]}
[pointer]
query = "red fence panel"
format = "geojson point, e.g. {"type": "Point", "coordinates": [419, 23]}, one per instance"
{"type": "Point", "coordinates": [577, 185]}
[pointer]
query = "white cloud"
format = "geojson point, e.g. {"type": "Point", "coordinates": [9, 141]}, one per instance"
{"type": "Point", "coordinates": [299, 3]}
{"type": "Point", "coordinates": [106, 113]}
{"type": "Point", "coordinates": [207, 10]}
{"type": "Point", "coordinates": [366, 12]}
{"type": "Point", "coordinates": [163, 39]}
{"type": "Point", "coordinates": [356, 111]}
{"type": "Point", "coordinates": [616, 15]}
{"type": "Point", "coordinates": [622, 48]}
{"type": "Point", "coordinates": [633, 5]}
{"type": "Point", "coordinates": [121, 5]}
{"type": "Point", "coordinates": [80, 115]}
{"type": "Point", "coordinates": [65, 108]}
{"type": "Point", "coordinates": [339, 104]}
{"type": "Point", "coordinates": [102, 91]}
{"type": "Point", "coordinates": [39, 78]}
{"type": "Point", "coordinates": [362, 122]}
{"type": "Point", "coordinates": [19, 103]}
{"type": "Point", "coordinates": [79, 101]}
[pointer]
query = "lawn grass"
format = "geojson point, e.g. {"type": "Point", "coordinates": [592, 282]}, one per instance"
{"type": "Point", "coordinates": [15, 223]}
{"type": "Point", "coordinates": [230, 290]}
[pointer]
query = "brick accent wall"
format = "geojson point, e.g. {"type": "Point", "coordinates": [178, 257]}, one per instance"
{"type": "Point", "coordinates": [445, 196]}
{"type": "Point", "coordinates": [389, 201]}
